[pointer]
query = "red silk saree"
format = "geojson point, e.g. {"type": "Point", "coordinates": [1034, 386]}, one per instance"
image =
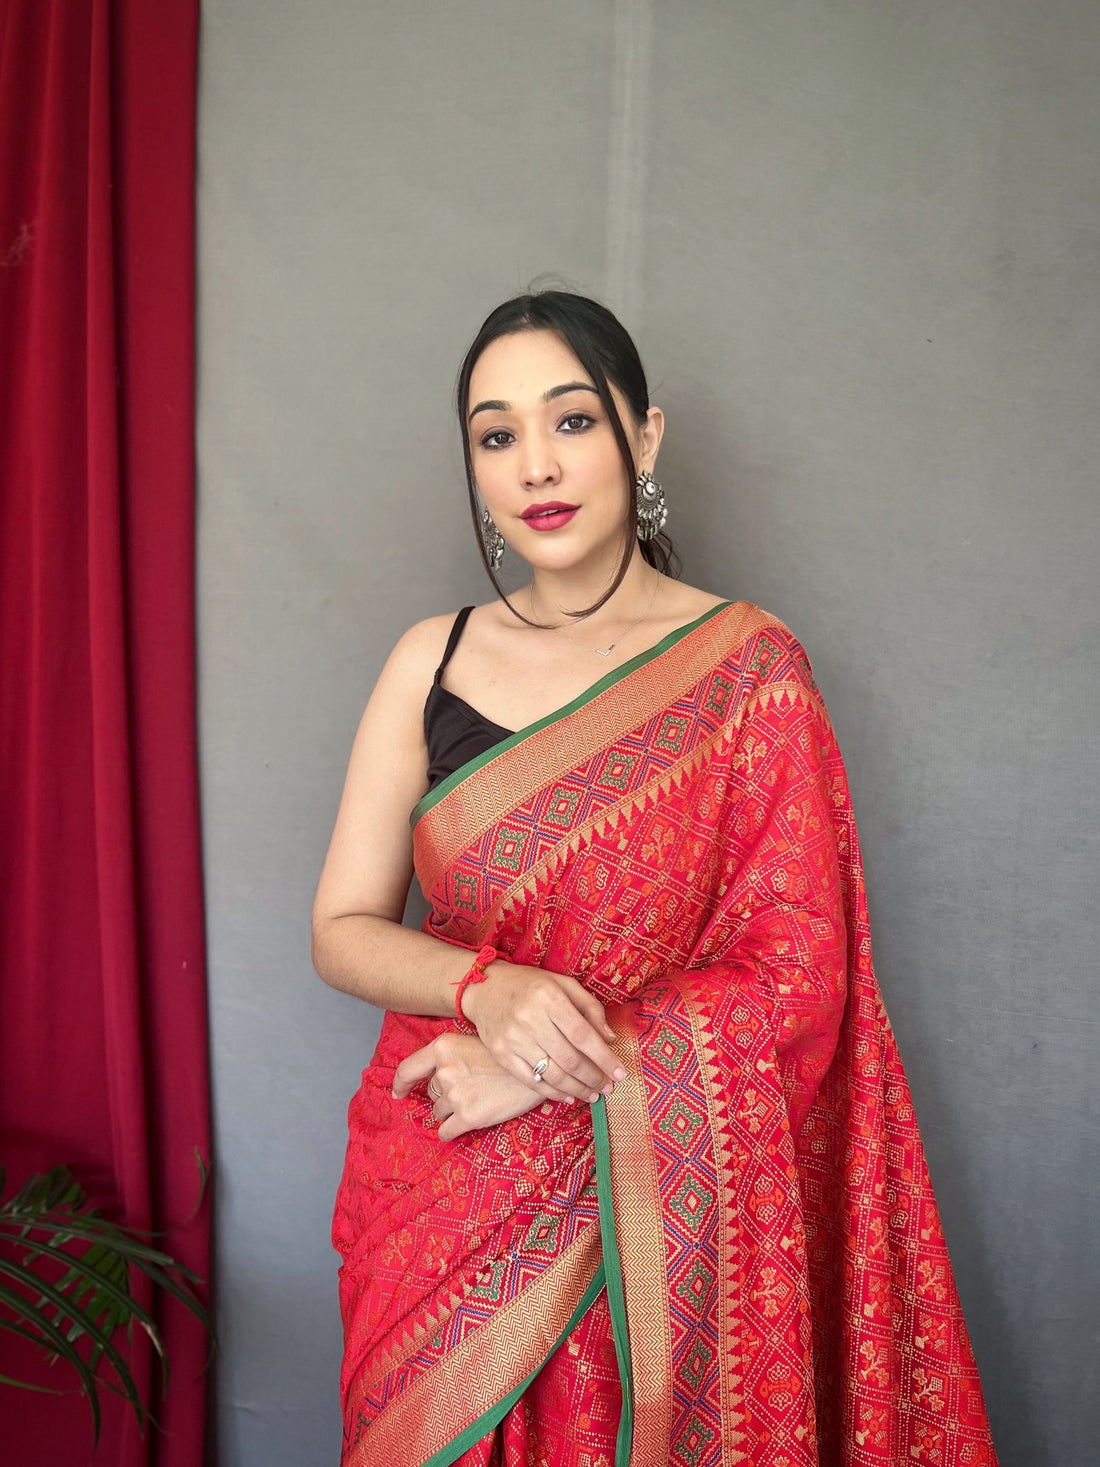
{"type": "Point", "coordinates": [737, 1258]}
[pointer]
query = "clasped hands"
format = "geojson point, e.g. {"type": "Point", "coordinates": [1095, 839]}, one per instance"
{"type": "Point", "coordinates": [522, 1016]}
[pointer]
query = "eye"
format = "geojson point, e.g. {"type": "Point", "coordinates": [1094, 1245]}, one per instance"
{"type": "Point", "coordinates": [498, 439]}
{"type": "Point", "coordinates": [577, 422]}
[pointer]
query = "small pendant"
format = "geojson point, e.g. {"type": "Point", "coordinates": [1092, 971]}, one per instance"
{"type": "Point", "coordinates": [601, 653]}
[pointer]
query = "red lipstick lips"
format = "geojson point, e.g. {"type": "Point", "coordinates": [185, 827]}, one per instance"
{"type": "Point", "coordinates": [550, 515]}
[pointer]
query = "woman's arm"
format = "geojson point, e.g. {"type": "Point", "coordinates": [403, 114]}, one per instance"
{"type": "Point", "coordinates": [359, 945]}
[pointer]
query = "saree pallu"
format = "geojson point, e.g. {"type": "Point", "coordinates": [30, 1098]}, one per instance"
{"type": "Point", "coordinates": [737, 1258]}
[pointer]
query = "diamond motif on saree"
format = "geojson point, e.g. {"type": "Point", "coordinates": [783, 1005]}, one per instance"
{"type": "Point", "coordinates": [695, 1286]}
{"type": "Point", "coordinates": [465, 891]}
{"type": "Point", "coordinates": [490, 1282]}
{"type": "Point", "coordinates": [616, 770]}
{"type": "Point", "coordinates": [764, 656]}
{"type": "Point", "coordinates": [693, 1366]}
{"type": "Point", "coordinates": [508, 850]}
{"type": "Point", "coordinates": [718, 698]}
{"type": "Point", "coordinates": [672, 734]}
{"type": "Point", "coordinates": [634, 763]}
{"type": "Point", "coordinates": [680, 1123]}
{"type": "Point", "coordinates": [691, 1202]}
{"type": "Point", "coordinates": [694, 1442]}
{"type": "Point", "coordinates": [561, 805]}
{"type": "Point", "coordinates": [668, 1050]}
{"type": "Point", "coordinates": [542, 1236]}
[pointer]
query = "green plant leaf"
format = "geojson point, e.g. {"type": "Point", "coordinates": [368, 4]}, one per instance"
{"type": "Point", "coordinates": [98, 1277]}
{"type": "Point", "coordinates": [26, 1385]}
{"type": "Point", "coordinates": [92, 1330]}
{"type": "Point", "coordinates": [60, 1344]}
{"type": "Point", "coordinates": [56, 1189]}
{"type": "Point", "coordinates": [117, 1238]}
{"type": "Point", "coordinates": [93, 1298]}
{"type": "Point", "coordinates": [84, 1266]}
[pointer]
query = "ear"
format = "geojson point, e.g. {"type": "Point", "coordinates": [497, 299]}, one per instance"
{"type": "Point", "coordinates": [652, 431]}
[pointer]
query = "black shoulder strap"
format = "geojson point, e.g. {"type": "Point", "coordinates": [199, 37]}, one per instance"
{"type": "Point", "coordinates": [452, 640]}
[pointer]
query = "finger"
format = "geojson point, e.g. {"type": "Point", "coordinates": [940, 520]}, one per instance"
{"type": "Point", "coordinates": [520, 1052]}
{"type": "Point", "coordinates": [523, 1069]}
{"type": "Point", "coordinates": [586, 1090]}
{"type": "Point", "coordinates": [547, 1090]}
{"type": "Point", "coordinates": [581, 1036]}
{"type": "Point", "coordinates": [593, 1012]}
{"type": "Point", "coordinates": [453, 1127]}
{"type": "Point", "coordinates": [576, 1074]}
{"type": "Point", "coordinates": [412, 1069]}
{"type": "Point", "coordinates": [442, 1109]}
{"type": "Point", "coordinates": [567, 1071]}
{"type": "Point", "coordinates": [587, 1003]}
{"type": "Point", "coordinates": [572, 1070]}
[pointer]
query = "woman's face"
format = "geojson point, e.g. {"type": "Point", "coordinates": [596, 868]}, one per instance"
{"type": "Point", "coordinates": [544, 453]}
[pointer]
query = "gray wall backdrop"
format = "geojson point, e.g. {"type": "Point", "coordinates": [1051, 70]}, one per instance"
{"type": "Point", "coordinates": [858, 245]}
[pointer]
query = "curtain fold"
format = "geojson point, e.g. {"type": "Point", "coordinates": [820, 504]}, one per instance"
{"type": "Point", "coordinates": [102, 985]}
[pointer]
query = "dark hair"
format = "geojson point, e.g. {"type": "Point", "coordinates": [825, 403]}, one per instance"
{"type": "Point", "coordinates": [604, 349]}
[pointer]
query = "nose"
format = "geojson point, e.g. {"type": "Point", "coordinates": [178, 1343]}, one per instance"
{"type": "Point", "coordinates": [538, 462]}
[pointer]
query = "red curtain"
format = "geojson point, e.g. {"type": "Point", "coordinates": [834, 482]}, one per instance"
{"type": "Point", "coordinates": [102, 997]}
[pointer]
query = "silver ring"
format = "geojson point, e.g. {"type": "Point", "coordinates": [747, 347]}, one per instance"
{"type": "Point", "coordinates": [540, 1067]}
{"type": "Point", "coordinates": [435, 1094]}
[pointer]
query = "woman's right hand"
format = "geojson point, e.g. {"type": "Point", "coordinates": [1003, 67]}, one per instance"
{"type": "Point", "coordinates": [523, 1015]}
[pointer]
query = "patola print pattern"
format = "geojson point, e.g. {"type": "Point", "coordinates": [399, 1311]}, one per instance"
{"type": "Point", "coordinates": [682, 841]}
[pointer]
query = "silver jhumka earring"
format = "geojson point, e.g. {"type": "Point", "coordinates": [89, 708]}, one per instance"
{"type": "Point", "coordinates": [652, 506]}
{"type": "Point", "coordinates": [492, 539]}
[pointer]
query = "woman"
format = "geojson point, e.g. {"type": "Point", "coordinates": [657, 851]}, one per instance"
{"type": "Point", "coordinates": [633, 1174]}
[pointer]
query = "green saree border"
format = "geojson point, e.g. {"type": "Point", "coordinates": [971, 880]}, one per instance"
{"type": "Point", "coordinates": [496, 1414]}
{"type": "Point", "coordinates": [609, 1275]}
{"type": "Point", "coordinates": [609, 679]}
{"type": "Point", "coordinates": [613, 1271]}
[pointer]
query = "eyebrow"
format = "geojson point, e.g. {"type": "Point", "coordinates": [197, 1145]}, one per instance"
{"type": "Point", "coordinates": [495, 405]}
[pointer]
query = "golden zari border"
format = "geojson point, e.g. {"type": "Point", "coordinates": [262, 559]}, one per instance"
{"type": "Point", "coordinates": [479, 1372]}
{"type": "Point", "coordinates": [639, 1230]}
{"type": "Point", "coordinates": [731, 1381]}
{"type": "Point", "coordinates": [491, 792]}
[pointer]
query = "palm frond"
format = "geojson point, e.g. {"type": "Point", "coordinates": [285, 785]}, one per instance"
{"type": "Point", "coordinates": [53, 1338]}
{"type": "Point", "coordinates": [65, 1286]}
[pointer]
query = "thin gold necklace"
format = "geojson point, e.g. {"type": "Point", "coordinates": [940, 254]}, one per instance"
{"type": "Point", "coordinates": [607, 651]}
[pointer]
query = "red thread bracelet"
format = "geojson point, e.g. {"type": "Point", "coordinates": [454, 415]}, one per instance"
{"type": "Point", "coordinates": [474, 974]}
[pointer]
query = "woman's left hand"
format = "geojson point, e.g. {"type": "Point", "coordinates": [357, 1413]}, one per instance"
{"type": "Point", "coordinates": [470, 1090]}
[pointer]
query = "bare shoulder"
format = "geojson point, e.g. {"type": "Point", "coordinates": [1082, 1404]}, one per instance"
{"type": "Point", "coordinates": [697, 599]}
{"type": "Point", "coordinates": [417, 653]}
{"type": "Point", "coordinates": [682, 603]}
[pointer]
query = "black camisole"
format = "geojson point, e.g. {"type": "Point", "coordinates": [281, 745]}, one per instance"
{"type": "Point", "coordinates": [453, 730]}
